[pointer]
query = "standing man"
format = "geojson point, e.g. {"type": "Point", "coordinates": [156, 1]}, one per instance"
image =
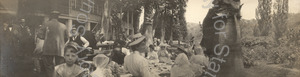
{"type": "Point", "coordinates": [54, 43]}
{"type": "Point", "coordinates": [81, 41]}
{"type": "Point", "coordinates": [25, 39]}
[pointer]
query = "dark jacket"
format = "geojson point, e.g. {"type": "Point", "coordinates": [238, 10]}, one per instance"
{"type": "Point", "coordinates": [54, 38]}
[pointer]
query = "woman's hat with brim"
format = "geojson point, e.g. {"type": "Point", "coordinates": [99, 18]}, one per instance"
{"type": "Point", "coordinates": [182, 49]}
{"type": "Point", "coordinates": [136, 39]}
{"type": "Point", "coordinates": [164, 45]}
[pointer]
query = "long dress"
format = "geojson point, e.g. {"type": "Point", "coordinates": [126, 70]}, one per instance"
{"type": "Point", "coordinates": [153, 57]}
{"type": "Point", "coordinates": [164, 56]}
{"type": "Point", "coordinates": [182, 67]}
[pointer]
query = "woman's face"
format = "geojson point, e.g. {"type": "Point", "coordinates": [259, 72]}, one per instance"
{"type": "Point", "coordinates": [70, 57]}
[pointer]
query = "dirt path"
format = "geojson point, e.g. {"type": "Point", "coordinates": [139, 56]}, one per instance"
{"type": "Point", "coordinates": [271, 71]}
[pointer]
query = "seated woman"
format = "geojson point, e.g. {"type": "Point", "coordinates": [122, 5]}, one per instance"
{"type": "Point", "coordinates": [152, 55]}
{"type": "Point", "coordinates": [69, 68]}
{"type": "Point", "coordinates": [163, 55]}
{"type": "Point", "coordinates": [182, 67]}
{"type": "Point", "coordinates": [199, 61]}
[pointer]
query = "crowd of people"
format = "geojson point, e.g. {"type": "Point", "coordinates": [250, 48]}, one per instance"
{"type": "Point", "coordinates": [59, 54]}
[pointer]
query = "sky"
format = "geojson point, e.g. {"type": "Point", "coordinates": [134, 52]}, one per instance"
{"type": "Point", "coordinates": [195, 13]}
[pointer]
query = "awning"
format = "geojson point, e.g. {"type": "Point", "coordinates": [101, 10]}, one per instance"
{"type": "Point", "coordinates": [9, 7]}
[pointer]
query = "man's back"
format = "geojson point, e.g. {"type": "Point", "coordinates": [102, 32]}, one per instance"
{"type": "Point", "coordinates": [54, 40]}
{"type": "Point", "coordinates": [137, 65]}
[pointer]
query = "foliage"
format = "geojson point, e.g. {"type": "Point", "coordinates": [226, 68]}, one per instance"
{"type": "Point", "coordinates": [171, 13]}
{"type": "Point", "coordinates": [263, 16]}
{"type": "Point", "coordinates": [280, 17]}
{"type": "Point", "coordinates": [265, 49]}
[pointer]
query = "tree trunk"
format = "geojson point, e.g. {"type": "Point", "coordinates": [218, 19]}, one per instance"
{"type": "Point", "coordinates": [105, 27]}
{"type": "Point", "coordinates": [171, 36]}
{"type": "Point", "coordinates": [224, 49]}
{"type": "Point", "coordinates": [162, 30]}
{"type": "Point", "coordinates": [148, 21]}
{"type": "Point", "coordinates": [136, 22]}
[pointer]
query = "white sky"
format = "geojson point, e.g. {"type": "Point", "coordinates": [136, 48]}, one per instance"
{"type": "Point", "coordinates": [195, 12]}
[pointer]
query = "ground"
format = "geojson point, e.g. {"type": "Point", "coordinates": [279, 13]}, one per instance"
{"type": "Point", "coordinates": [271, 71]}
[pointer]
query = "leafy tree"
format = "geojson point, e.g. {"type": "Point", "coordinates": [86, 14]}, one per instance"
{"type": "Point", "coordinates": [280, 18]}
{"type": "Point", "coordinates": [263, 16]}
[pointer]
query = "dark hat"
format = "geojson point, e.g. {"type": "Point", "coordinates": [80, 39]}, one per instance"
{"type": "Point", "coordinates": [136, 39]}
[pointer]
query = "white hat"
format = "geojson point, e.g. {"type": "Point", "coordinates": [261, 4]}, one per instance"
{"type": "Point", "coordinates": [136, 39]}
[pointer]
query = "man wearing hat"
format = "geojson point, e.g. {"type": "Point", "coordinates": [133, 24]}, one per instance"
{"type": "Point", "coordinates": [54, 43]}
{"type": "Point", "coordinates": [136, 63]}
{"type": "Point", "coordinates": [25, 39]}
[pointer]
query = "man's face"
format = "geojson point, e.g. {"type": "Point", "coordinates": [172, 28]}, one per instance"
{"type": "Point", "coordinates": [74, 32]}
{"type": "Point", "coordinates": [70, 57]}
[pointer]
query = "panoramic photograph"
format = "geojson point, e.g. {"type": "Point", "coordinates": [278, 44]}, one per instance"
{"type": "Point", "coordinates": [149, 38]}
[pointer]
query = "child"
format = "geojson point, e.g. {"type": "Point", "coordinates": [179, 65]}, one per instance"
{"type": "Point", "coordinates": [69, 68]}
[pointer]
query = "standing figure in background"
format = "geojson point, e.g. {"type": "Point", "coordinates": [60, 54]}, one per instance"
{"type": "Point", "coordinates": [80, 40]}
{"type": "Point", "coordinates": [53, 48]}
{"type": "Point", "coordinates": [8, 49]}
{"type": "Point", "coordinates": [26, 42]}
{"type": "Point", "coordinates": [77, 38]}
{"type": "Point", "coordinates": [39, 42]}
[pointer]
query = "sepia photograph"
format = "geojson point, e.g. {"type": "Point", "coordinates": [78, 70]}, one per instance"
{"type": "Point", "coordinates": [149, 38]}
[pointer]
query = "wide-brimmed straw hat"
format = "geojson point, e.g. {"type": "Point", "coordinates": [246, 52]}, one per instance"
{"type": "Point", "coordinates": [164, 45]}
{"type": "Point", "coordinates": [182, 49]}
{"type": "Point", "coordinates": [136, 39]}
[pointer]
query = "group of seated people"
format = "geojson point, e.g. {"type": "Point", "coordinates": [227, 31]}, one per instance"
{"type": "Point", "coordinates": [132, 58]}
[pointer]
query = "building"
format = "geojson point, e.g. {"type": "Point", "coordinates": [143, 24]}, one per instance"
{"type": "Point", "coordinates": [72, 12]}
{"type": "Point", "coordinates": [8, 10]}
{"type": "Point", "coordinates": [35, 13]}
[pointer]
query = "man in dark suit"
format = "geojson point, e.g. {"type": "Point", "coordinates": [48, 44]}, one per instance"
{"type": "Point", "coordinates": [54, 43]}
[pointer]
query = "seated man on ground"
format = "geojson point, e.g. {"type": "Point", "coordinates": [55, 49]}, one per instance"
{"type": "Point", "coordinates": [136, 63]}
